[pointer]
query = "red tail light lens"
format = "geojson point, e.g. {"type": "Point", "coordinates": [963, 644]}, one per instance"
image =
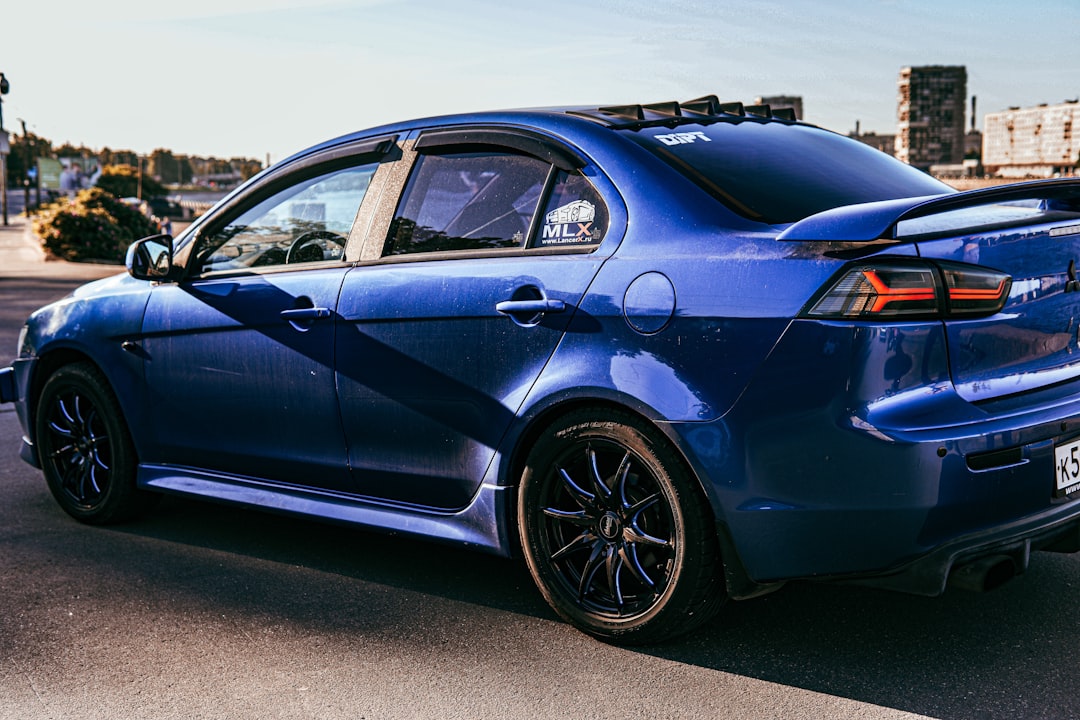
{"type": "Point", "coordinates": [913, 290]}
{"type": "Point", "coordinates": [975, 291]}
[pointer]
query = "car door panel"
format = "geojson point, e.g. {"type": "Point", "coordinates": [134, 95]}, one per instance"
{"type": "Point", "coordinates": [430, 373]}
{"type": "Point", "coordinates": [240, 372]}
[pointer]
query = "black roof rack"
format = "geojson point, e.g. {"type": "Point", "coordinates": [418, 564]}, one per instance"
{"type": "Point", "coordinates": [707, 108]}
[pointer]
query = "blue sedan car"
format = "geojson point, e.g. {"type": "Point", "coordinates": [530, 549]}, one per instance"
{"type": "Point", "coordinates": [671, 354]}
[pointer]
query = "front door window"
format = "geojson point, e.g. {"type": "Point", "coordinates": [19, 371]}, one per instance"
{"type": "Point", "coordinates": [304, 223]}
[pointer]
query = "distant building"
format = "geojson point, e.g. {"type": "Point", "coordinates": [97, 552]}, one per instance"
{"type": "Point", "coordinates": [930, 115]}
{"type": "Point", "coordinates": [973, 142]}
{"type": "Point", "coordinates": [782, 101]}
{"type": "Point", "coordinates": [1033, 142]}
{"type": "Point", "coordinates": [884, 143]}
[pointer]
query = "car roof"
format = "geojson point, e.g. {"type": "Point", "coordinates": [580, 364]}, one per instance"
{"type": "Point", "coordinates": [706, 109]}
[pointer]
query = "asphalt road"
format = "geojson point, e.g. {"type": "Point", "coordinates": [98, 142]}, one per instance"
{"type": "Point", "coordinates": [206, 611]}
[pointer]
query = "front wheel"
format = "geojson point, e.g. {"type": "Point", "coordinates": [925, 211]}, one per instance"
{"type": "Point", "coordinates": [84, 447]}
{"type": "Point", "coordinates": [616, 534]}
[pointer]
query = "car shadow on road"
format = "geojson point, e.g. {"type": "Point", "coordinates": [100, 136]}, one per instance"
{"type": "Point", "coordinates": [1005, 654]}
{"type": "Point", "coordinates": [963, 655]}
{"type": "Point", "coordinates": [389, 559]}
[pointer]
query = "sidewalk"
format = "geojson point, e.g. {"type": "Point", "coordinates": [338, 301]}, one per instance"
{"type": "Point", "coordinates": [21, 255]}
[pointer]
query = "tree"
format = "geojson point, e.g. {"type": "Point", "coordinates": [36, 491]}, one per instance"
{"type": "Point", "coordinates": [118, 157]}
{"type": "Point", "coordinates": [246, 167]}
{"type": "Point", "coordinates": [162, 165]}
{"type": "Point", "coordinates": [25, 150]}
{"type": "Point", "coordinates": [69, 150]}
{"type": "Point", "coordinates": [123, 181]}
{"type": "Point", "coordinates": [184, 171]}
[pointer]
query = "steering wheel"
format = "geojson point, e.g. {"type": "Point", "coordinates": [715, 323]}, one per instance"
{"type": "Point", "coordinates": [305, 249]}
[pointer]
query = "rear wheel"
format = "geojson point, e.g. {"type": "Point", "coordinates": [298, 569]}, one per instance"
{"type": "Point", "coordinates": [85, 449]}
{"type": "Point", "coordinates": [616, 535]}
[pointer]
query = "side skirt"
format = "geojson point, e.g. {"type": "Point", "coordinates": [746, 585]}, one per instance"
{"type": "Point", "coordinates": [481, 525]}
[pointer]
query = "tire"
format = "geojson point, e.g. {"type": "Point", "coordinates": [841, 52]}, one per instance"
{"type": "Point", "coordinates": [617, 535]}
{"type": "Point", "coordinates": [85, 449]}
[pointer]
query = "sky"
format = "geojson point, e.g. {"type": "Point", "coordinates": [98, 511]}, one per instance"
{"type": "Point", "coordinates": [266, 78]}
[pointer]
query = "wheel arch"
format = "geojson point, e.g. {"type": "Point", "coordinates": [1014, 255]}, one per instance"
{"type": "Point", "coordinates": [544, 417]}
{"type": "Point", "coordinates": [738, 583]}
{"type": "Point", "coordinates": [541, 418]}
{"type": "Point", "coordinates": [654, 610]}
{"type": "Point", "coordinates": [44, 367]}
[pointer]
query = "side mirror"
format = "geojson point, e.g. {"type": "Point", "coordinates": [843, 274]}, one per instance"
{"type": "Point", "coordinates": [151, 258]}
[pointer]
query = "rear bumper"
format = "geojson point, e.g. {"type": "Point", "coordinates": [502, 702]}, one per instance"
{"type": "Point", "coordinates": [832, 473]}
{"type": "Point", "coordinates": [828, 502]}
{"type": "Point", "coordinates": [1056, 530]}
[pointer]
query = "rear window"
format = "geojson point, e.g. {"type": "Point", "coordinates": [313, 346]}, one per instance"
{"type": "Point", "coordinates": [777, 173]}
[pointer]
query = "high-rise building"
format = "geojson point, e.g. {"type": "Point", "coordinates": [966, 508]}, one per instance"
{"type": "Point", "coordinates": [1033, 142]}
{"type": "Point", "coordinates": [930, 115]}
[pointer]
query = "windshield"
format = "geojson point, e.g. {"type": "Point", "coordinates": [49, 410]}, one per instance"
{"type": "Point", "coordinates": [777, 173]}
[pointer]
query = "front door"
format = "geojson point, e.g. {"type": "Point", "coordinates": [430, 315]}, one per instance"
{"type": "Point", "coordinates": [239, 357]}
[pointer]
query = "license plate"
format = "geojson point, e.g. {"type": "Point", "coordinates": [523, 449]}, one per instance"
{"type": "Point", "coordinates": [1067, 467]}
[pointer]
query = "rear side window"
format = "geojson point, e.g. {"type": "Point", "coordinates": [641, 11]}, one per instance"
{"type": "Point", "coordinates": [574, 213]}
{"type": "Point", "coordinates": [778, 173]}
{"type": "Point", "coordinates": [468, 201]}
{"type": "Point", "coordinates": [493, 200]}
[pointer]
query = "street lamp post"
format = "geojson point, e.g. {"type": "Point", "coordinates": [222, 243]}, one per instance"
{"type": "Point", "coordinates": [29, 172]}
{"type": "Point", "coordinates": [4, 88]}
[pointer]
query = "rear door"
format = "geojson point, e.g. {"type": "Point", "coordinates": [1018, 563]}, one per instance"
{"type": "Point", "coordinates": [447, 324]}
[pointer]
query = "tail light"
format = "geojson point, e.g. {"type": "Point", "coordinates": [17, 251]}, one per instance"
{"type": "Point", "coordinates": [912, 290]}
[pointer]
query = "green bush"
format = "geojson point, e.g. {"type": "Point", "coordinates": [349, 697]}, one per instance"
{"type": "Point", "coordinates": [94, 225]}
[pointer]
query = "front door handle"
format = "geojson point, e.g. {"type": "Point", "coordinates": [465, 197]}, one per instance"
{"type": "Point", "coordinates": [302, 319]}
{"type": "Point", "coordinates": [312, 313]}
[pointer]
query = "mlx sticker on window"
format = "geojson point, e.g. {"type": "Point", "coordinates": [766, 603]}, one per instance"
{"type": "Point", "coordinates": [570, 223]}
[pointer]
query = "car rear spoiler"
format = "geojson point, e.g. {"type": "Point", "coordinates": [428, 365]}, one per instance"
{"type": "Point", "coordinates": [867, 222]}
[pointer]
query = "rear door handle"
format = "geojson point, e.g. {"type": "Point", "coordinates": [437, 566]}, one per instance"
{"type": "Point", "coordinates": [542, 305]}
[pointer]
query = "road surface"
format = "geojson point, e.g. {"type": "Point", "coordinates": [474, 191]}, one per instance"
{"type": "Point", "coordinates": [207, 611]}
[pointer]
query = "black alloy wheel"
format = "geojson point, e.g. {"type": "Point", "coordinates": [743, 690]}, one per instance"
{"type": "Point", "coordinates": [84, 447]}
{"type": "Point", "coordinates": [617, 537]}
